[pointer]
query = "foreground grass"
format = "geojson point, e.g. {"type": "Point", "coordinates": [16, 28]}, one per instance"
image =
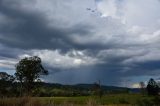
{"type": "Point", "coordinates": [108, 100]}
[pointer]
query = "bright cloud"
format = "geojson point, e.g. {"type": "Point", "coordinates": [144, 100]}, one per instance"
{"type": "Point", "coordinates": [73, 59]}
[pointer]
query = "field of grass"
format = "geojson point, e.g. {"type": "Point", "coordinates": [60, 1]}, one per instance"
{"type": "Point", "coordinates": [108, 100]}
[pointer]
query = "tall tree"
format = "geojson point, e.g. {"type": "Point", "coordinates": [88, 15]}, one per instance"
{"type": "Point", "coordinates": [152, 87]}
{"type": "Point", "coordinates": [28, 70]}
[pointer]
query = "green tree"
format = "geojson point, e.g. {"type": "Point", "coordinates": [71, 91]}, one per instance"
{"type": "Point", "coordinates": [28, 70]}
{"type": "Point", "coordinates": [152, 87]}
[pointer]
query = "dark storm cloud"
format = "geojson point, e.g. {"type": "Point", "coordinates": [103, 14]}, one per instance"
{"type": "Point", "coordinates": [30, 30]}
{"type": "Point", "coordinates": [6, 52]}
{"type": "Point", "coordinates": [76, 45]}
{"type": "Point", "coordinates": [151, 68]}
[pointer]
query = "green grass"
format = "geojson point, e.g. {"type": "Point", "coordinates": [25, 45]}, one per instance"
{"type": "Point", "coordinates": [116, 99]}
{"type": "Point", "coordinates": [108, 99]}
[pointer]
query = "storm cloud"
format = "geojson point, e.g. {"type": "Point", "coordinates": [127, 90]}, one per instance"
{"type": "Point", "coordinates": [83, 41]}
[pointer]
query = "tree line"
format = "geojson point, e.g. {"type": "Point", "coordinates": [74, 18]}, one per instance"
{"type": "Point", "coordinates": [26, 81]}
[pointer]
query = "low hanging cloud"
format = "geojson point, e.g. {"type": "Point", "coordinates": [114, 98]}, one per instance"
{"type": "Point", "coordinates": [83, 41]}
{"type": "Point", "coordinates": [72, 59]}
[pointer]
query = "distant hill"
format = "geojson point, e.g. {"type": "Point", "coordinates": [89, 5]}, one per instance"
{"type": "Point", "coordinates": [90, 86]}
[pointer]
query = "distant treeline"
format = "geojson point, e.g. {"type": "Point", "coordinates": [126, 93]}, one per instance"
{"type": "Point", "coordinates": [42, 89]}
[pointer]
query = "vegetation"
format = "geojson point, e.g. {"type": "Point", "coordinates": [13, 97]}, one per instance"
{"type": "Point", "coordinates": [97, 89]}
{"type": "Point", "coordinates": [5, 84]}
{"type": "Point", "coordinates": [142, 88]}
{"type": "Point", "coordinates": [115, 100]}
{"type": "Point", "coordinates": [27, 79]}
{"type": "Point", "coordinates": [152, 87]}
{"type": "Point", "coordinates": [28, 70]}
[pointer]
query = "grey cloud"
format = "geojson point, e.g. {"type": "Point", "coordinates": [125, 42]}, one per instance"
{"type": "Point", "coordinates": [110, 51]}
{"type": "Point", "coordinates": [29, 29]}
{"type": "Point", "coordinates": [30, 33]}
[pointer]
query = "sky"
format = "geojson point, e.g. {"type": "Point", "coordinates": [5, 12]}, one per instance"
{"type": "Point", "coordinates": [83, 41]}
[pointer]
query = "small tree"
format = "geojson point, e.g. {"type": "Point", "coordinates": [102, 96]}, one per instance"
{"type": "Point", "coordinates": [152, 87]}
{"type": "Point", "coordinates": [97, 89]}
{"type": "Point", "coordinates": [28, 70]}
{"type": "Point", "coordinates": [142, 87]}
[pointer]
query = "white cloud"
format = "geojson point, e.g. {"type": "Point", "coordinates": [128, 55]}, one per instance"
{"type": "Point", "coordinates": [107, 8]}
{"type": "Point", "coordinates": [131, 12]}
{"type": "Point", "coordinates": [72, 59]}
{"type": "Point", "coordinates": [8, 63]}
{"type": "Point", "coordinates": [135, 85]}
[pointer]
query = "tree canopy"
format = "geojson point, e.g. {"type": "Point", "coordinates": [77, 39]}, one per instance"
{"type": "Point", "coordinates": [152, 87]}
{"type": "Point", "coordinates": [28, 70]}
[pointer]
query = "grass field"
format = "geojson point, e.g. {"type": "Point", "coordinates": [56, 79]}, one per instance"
{"type": "Point", "coordinates": [108, 100]}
